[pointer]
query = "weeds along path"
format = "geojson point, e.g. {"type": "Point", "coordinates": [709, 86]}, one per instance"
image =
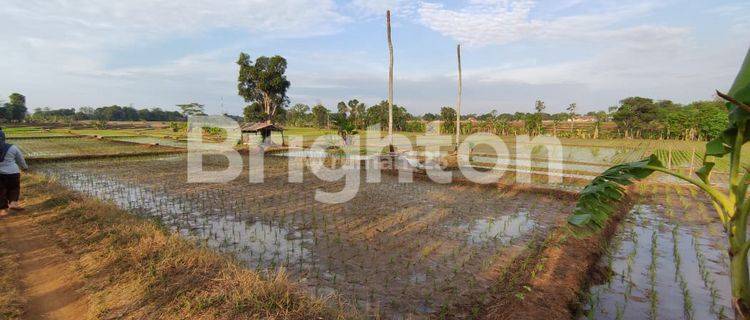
{"type": "Point", "coordinates": [50, 286]}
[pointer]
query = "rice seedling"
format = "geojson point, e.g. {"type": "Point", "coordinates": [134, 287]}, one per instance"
{"type": "Point", "coordinates": [687, 300]}
{"type": "Point", "coordinates": [653, 294]}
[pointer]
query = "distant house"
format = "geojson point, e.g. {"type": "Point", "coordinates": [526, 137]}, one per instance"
{"type": "Point", "coordinates": [249, 130]}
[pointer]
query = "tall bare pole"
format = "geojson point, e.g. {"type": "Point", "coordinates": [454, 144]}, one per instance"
{"type": "Point", "coordinates": [458, 103]}
{"type": "Point", "coordinates": [390, 81]}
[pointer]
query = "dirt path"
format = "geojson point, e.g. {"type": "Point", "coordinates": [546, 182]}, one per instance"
{"type": "Point", "coordinates": [49, 281]}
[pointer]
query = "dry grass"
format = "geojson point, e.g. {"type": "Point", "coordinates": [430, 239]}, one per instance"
{"type": "Point", "coordinates": [11, 300]}
{"type": "Point", "coordinates": [136, 270]}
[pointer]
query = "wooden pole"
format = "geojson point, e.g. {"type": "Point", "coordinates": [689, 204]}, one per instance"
{"type": "Point", "coordinates": [692, 158]}
{"type": "Point", "coordinates": [390, 81]}
{"type": "Point", "coordinates": [669, 159]}
{"type": "Point", "coordinates": [458, 103]}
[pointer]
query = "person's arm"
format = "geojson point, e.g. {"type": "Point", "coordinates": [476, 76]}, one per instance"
{"type": "Point", "coordinates": [20, 160]}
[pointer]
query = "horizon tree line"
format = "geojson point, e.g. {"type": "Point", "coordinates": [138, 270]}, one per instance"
{"type": "Point", "coordinates": [262, 83]}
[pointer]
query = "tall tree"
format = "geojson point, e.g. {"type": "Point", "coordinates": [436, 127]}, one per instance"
{"type": "Point", "coordinates": [192, 109]}
{"type": "Point", "coordinates": [264, 82]}
{"type": "Point", "coordinates": [601, 117]}
{"type": "Point", "coordinates": [539, 106]}
{"type": "Point", "coordinates": [15, 109]}
{"type": "Point", "coordinates": [254, 113]}
{"type": "Point", "coordinates": [379, 114]}
{"type": "Point", "coordinates": [343, 120]}
{"type": "Point", "coordinates": [298, 115]}
{"type": "Point", "coordinates": [448, 115]}
{"type": "Point", "coordinates": [635, 115]}
{"type": "Point", "coordinates": [713, 118]}
{"type": "Point", "coordinates": [533, 123]}
{"type": "Point", "coordinates": [357, 111]}
{"type": "Point", "coordinates": [320, 115]}
{"type": "Point", "coordinates": [572, 112]}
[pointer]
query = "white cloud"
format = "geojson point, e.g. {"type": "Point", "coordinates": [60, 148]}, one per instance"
{"type": "Point", "coordinates": [54, 49]}
{"type": "Point", "coordinates": [737, 14]}
{"type": "Point", "coordinates": [371, 8]}
{"type": "Point", "coordinates": [612, 56]}
{"type": "Point", "coordinates": [147, 17]}
{"type": "Point", "coordinates": [79, 33]}
{"type": "Point", "coordinates": [488, 22]}
{"type": "Point", "coordinates": [482, 22]}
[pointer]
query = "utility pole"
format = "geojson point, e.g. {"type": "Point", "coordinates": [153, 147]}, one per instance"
{"type": "Point", "coordinates": [458, 104]}
{"type": "Point", "coordinates": [390, 81]}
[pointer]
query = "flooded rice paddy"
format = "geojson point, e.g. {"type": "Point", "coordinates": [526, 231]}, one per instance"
{"type": "Point", "coordinates": [413, 250]}
{"type": "Point", "coordinates": [76, 146]}
{"type": "Point", "coordinates": [668, 261]}
{"type": "Point", "coordinates": [153, 141]}
{"type": "Point", "coordinates": [400, 250]}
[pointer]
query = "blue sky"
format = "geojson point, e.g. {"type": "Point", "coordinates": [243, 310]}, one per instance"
{"type": "Point", "coordinates": [160, 53]}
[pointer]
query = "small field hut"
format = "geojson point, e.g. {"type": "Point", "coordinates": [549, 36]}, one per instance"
{"type": "Point", "coordinates": [249, 130]}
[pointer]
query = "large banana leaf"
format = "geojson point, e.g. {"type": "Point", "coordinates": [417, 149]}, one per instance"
{"type": "Point", "coordinates": [597, 201]}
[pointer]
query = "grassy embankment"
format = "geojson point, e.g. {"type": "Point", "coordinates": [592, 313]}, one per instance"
{"type": "Point", "coordinates": [135, 269]}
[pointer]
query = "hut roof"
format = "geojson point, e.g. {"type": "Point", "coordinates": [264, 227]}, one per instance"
{"type": "Point", "coordinates": [257, 126]}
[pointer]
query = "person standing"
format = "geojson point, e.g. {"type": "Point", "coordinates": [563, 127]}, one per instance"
{"type": "Point", "coordinates": [11, 163]}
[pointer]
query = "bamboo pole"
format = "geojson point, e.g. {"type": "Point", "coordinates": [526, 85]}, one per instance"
{"type": "Point", "coordinates": [390, 81]}
{"type": "Point", "coordinates": [458, 103]}
{"type": "Point", "coordinates": [669, 160]}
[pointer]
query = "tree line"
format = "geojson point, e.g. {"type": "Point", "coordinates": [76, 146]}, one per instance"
{"type": "Point", "coordinates": [357, 113]}
{"type": "Point", "coordinates": [633, 117]}
{"type": "Point", "coordinates": [638, 117]}
{"type": "Point", "coordinates": [108, 113]}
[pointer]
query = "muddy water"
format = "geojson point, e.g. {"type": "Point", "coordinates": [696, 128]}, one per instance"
{"type": "Point", "coordinates": [399, 250]}
{"type": "Point", "coordinates": [198, 219]}
{"type": "Point", "coordinates": [663, 267]}
{"type": "Point", "coordinates": [504, 228]}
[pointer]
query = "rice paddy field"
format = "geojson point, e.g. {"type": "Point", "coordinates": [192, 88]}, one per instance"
{"type": "Point", "coordinates": [422, 249]}
{"type": "Point", "coordinates": [399, 250]}
{"type": "Point", "coordinates": [667, 261]}
{"type": "Point", "coordinates": [153, 141]}
{"type": "Point", "coordinates": [64, 147]}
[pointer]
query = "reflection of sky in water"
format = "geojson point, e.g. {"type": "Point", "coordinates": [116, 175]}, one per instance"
{"type": "Point", "coordinates": [256, 243]}
{"type": "Point", "coordinates": [701, 271]}
{"type": "Point", "coordinates": [502, 229]}
{"type": "Point", "coordinates": [262, 242]}
{"type": "Point", "coordinates": [317, 154]}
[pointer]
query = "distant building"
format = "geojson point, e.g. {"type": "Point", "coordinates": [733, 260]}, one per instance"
{"type": "Point", "coordinates": [250, 132]}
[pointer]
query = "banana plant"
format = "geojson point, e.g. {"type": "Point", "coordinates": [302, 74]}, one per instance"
{"type": "Point", "coordinates": [598, 200]}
